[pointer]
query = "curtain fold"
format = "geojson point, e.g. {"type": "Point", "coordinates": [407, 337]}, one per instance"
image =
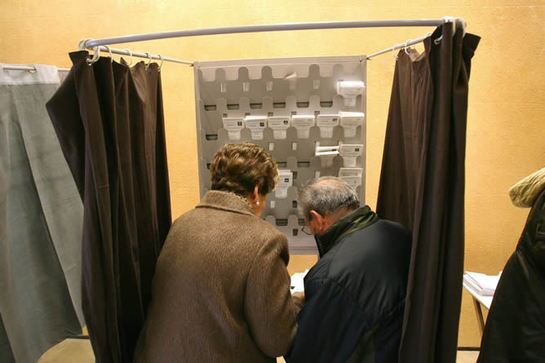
{"type": "Point", "coordinates": [6, 354]}
{"type": "Point", "coordinates": [109, 120]}
{"type": "Point", "coordinates": [40, 222]}
{"type": "Point", "coordinates": [422, 186]}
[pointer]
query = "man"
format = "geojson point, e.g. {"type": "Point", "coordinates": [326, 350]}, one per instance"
{"type": "Point", "coordinates": [355, 293]}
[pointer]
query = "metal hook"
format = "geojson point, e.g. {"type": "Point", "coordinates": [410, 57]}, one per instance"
{"type": "Point", "coordinates": [160, 64]}
{"type": "Point", "coordinates": [449, 20]}
{"type": "Point", "coordinates": [149, 60]}
{"type": "Point", "coordinates": [110, 53]}
{"type": "Point", "coordinates": [130, 57]}
{"type": "Point", "coordinates": [95, 57]}
{"type": "Point", "coordinates": [406, 47]}
{"type": "Point", "coordinates": [463, 23]}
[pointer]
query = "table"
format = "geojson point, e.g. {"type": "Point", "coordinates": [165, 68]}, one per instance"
{"type": "Point", "coordinates": [479, 300]}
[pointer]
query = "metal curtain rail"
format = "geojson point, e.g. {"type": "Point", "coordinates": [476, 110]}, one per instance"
{"type": "Point", "coordinates": [454, 21]}
{"type": "Point", "coordinates": [90, 43]}
{"type": "Point", "coordinates": [131, 54]}
{"type": "Point", "coordinates": [102, 44]}
{"type": "Point", "coordinates": [398, 46]}
{"type": "Point", "coordinates": [28, 68]}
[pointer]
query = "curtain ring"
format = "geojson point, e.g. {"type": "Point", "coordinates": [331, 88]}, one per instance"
{"type": "Point", "coordinates": [95, 57]}
{"type": "Point", "coordinates": [396, 56]}
{"type": "Point", "coordinates": [149, 60]}
{"type": "Point", "coordinates": [160, 64]}
{"type": "Point", "coordinates": [129, 52]}
{"type": "Point", "coordinates": [110, 53]}
{"type": "Point", "coordinates": [406, 47]}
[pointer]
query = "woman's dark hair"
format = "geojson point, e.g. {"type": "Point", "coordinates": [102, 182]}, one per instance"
{"type": "Point", "coordinates": [239, 168]}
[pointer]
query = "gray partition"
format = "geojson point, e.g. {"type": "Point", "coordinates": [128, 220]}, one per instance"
{"type": "Point", "coordinates": [233, 90]}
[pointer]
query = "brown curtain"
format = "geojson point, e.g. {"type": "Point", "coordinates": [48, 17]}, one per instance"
{"type": "Point", "coordinates": [422, 187]}
{"type": "Point", "coordinates": [109, 120]}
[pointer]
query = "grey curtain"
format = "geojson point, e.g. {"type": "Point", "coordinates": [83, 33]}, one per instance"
{"type": "Point", "coordinates": [422, 187]}
{"type": "Point", "coordinates": [109, 120]}
{"type": "Point", "coordinates": [41, 218]}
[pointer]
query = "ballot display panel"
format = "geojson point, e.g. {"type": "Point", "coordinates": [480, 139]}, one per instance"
{"type": "Point", "coordinates": [309, 113]}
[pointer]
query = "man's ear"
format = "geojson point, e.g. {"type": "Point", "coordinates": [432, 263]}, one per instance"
{"type": "Point", "coordinates": [317, 220]}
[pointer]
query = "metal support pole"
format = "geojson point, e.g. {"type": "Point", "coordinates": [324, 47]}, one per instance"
{"type": "Point", "coordinates": [398, 46]}
{"type": "Point", "coordinates": [27, 68]}
{"type": "Point", "coordinates": [101, 44]}
{"type": "Point", "coordinates": [90, 43]}
{"type": "Point", "coordinates": [141, 55]}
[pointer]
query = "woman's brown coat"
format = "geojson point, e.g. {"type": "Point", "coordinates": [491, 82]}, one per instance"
{"type": "Point", "coordinates": [221, 289]}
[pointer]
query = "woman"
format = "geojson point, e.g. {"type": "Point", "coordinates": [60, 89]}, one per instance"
{"type": "Point", "coordinates": [221, 288]}
{"type": "Point", "coordinates": [515, 326]}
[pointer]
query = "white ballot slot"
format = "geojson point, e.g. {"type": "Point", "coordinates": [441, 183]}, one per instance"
{"type": "Point", "coordinates": [234, 126]}
{"type": "Point", "coordinates": [256, 125]}
{"type": "Point", "coordinates": [350, 153]}
{"type": "Point", "coordinates": [353, 176]}
{"type": "Point", "coordinates": [326, 154]}
{"type": "Point", "coordinates": [350, 90]}
{"type": "Point", "coordinates": [350, 122]}
{"type": "Point", "coordinates": [326, 123]}
{"type": "Point", "coordinates": [279, 125]}
{"type": "Point", "coordinates": [302, 124]}
{"type": "Point", "coordinates": [285, 180]}
{"type": "Point", "coordinates": [350, 172]}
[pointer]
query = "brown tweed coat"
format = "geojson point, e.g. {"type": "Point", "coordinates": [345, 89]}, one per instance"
{"type": "Point", "coordinates": [221, 289]}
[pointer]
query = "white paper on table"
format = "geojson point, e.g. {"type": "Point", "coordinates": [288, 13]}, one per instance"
{"type": "Point", "coordinates": [482, 284]}
{"type": "Point", "coordinates": [298, 281]}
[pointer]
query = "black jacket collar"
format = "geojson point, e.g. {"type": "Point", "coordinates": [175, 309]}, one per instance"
{"type": "Point", "coordinates": [359, 219]}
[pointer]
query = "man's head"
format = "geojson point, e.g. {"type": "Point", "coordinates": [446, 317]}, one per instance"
{"type": "Point", "coordinates": [324, 201]}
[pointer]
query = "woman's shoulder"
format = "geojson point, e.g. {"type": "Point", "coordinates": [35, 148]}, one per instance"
{"type": "Point", "coordinates": [268, 229]}
{"type": "Point", "coordinates": [249, 225]}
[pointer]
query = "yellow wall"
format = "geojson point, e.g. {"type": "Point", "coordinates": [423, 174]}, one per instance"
{"type": "Point", "coordinates": [506, 133]}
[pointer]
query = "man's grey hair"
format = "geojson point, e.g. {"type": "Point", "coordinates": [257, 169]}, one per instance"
{"type": "Point", "coordinates": [327, 195]}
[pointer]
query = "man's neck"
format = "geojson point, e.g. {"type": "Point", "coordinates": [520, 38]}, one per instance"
{"type": "Point", "coordinates": [332, 218]}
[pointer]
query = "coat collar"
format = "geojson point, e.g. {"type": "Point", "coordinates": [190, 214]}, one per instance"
{"type": "Point", "coordinates": [355, 221]}
{"type": "Point", "coordinates": [225, 201]}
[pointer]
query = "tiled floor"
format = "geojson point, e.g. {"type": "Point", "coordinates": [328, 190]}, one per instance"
{"type": "Point", "coordinates": [467, 357]}
{"type": "Point", "coordinates": [68, 351]}
{"type": "Point", "coordinates": [463, 357]}
{"type": "Point", "coordinates": [77, 350]}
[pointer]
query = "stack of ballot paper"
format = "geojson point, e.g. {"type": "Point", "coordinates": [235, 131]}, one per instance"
{"type": "Point", "coordinates": [298, 281]}
{"type": "Point", "coordinates": [482, 284]}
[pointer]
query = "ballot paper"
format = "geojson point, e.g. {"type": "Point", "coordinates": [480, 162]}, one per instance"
{"type": "Point", "coordinates": [298, 281]}
{"type": "Point", "coordinates": [482, 284]}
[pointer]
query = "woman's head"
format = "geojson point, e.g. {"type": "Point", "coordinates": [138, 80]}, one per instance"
{"type": "Point", "coordinates": [241, 168]}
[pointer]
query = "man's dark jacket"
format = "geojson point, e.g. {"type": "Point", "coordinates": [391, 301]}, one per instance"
{"type": "Point", "coordinates": [515, 327]}
{"type": "Point", "coordinates": [355, 293]}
